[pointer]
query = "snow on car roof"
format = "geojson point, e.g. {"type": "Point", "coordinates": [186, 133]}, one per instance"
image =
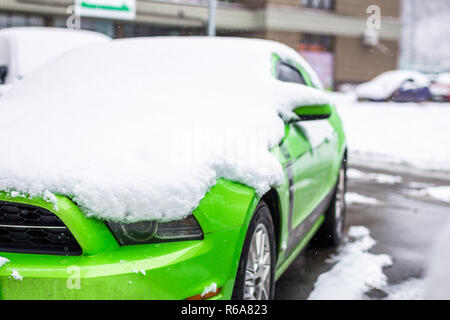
{"type": "Point", "coordinates": [140, 129]}
{"type": "Point", "coordinates": [385, 84]}
{"type": "Point", "coordinates": [443, 78]}
{"type": "Point", "coordinates": [30, 47]}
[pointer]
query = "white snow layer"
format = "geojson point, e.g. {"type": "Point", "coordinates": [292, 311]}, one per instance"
{"type": "Point", "coordinates": [378, 177]}
{"type": "Point", "coordinates": [437, 282]}
{"type": "Point", "coordinates": [140, 129]}
{"type": "Point", "coordinates": [417, 134]}
{"type": "Point", "coordinates": [209, 289]}
{"type": "Point", "coordinates": [356, 270]}
{"type": "Point", "coordinates": [439, 193]}
{"type": "Point", "coordinates": [16, 275]}
{"type": "Point", "coordinates": [3, 261]}
{"type": "Point", "coordinates": [384, 85]}
{"type": "Point", "coordinates": [27, 48]}
{"type": "Point", "coordinates": [411, 289]}
{"type": "Point", "coordinates": [353, 197]}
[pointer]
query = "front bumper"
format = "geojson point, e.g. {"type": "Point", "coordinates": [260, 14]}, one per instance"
{"type": "Point", "coordinates": [174, 270]}
{"type": "Point", "coordinates": [106, 270]}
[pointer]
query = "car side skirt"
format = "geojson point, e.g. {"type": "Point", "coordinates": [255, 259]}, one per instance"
{"type": "Point", "coordinates": [300, 246]}
{"type": "Point", "coordinates": [303, 233]}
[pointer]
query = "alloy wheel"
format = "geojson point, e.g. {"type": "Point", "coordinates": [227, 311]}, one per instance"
{"type": "Point", "coordinates": [258, 271]}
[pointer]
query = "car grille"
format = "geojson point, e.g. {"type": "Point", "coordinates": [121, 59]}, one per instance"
{"type": "Point", "coordinates": [30, 229]}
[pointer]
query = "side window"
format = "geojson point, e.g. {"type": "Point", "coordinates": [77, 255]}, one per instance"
{"type": "Point", "coordinates": [288, 73]}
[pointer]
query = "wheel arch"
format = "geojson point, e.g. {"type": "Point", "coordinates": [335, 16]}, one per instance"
{"type": "Point", "coordinates": [345, 157]}
{"type": "Point", "coordinates": [273, 202]}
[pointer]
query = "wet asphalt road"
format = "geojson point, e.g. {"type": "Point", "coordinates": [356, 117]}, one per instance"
{"type": "Point", "coordinates": [402, 224]}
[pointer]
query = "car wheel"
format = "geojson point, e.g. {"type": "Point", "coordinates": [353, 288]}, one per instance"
{"type": "Point", "coordinates": [255, 279]}
{"type": "Point", "coordinates": [332, 229]}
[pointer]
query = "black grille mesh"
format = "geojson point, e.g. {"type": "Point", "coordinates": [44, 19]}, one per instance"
{"type": "Point", "coordinates": [29, 229]}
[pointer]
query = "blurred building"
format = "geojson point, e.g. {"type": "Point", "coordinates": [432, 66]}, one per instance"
{"type": "Point", "coordinates": [426, 25]}
{"type": "Point", "coordinates": [329, 33]}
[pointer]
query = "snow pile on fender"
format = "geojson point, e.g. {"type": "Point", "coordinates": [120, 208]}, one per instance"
{"type": "Point", "coordinates": [141, 129]}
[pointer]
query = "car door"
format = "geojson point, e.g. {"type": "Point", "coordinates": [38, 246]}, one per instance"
{"type": "Point", "coordinates": [308, 150]}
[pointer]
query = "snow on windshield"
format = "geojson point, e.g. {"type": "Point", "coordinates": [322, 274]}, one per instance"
{"type": "Point", "coordinates": [141, 129]}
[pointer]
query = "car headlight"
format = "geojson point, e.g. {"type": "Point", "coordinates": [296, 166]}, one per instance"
{"type": "Point", "coordinates": [152, 231]}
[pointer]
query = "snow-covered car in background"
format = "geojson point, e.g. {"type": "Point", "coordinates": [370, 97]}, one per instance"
{"type": "Point", "coordinates": [440, 88]}
{"type": "Point", "coordinates": [24, 49]}
{"type": "Point", "coordinates": [395, 85]}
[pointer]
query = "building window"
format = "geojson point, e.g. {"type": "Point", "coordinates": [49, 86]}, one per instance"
{"type": "Point", "coordinates": [318, 50]}
{"type": "Point", "coordinates": [313, 42]}
{"type": "Point", "coordinates": [20, 20]}
{"type": "Point", "coordinates": [127, 30]}
{"type": "Point", "coordinates": [318, 4]}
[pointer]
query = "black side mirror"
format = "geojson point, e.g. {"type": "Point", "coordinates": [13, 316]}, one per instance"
{"type": "Point", "coordinates": [3, 74]}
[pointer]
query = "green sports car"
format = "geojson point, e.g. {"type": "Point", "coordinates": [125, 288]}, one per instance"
{"type": "Point", "coordinates": [236, 243]}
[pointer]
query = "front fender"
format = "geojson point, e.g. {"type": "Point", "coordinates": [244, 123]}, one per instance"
{"type": "Point", "coordinates": [226, 205]}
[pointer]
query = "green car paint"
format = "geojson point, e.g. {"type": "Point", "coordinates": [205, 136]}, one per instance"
{"type": "Point", "coordinates": [320, 111]}
{"type": "Point", "coordinates": [178, 270]}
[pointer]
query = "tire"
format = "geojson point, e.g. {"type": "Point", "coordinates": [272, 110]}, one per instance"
{"type": "Point", "coordinates": [249, 286]}
{"type": "Point", "coordinates": [331, 232]}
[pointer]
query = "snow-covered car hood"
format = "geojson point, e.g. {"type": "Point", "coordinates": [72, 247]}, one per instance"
{"type": "Point", "coordinates": [141, 129]}
{"type": "Point", "coordinates": [384, 85]}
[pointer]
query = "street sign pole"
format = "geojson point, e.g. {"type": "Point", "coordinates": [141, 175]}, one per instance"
{"type": "Point", "coordinates": [212, 18]}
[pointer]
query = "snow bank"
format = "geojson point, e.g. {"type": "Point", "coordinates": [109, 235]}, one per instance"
{"type": "Point", "coordinates": [437, 282]}
{"type": "Point", "coordinates": [30, 47]}
{"type": "Point", "coordinates": [385, 84]}
{"type": "Point", "coordinates": [440, 193]}
{"type": "Point", "coordinates": [418, 134]}
{"type": "Point", "coordinates": [411, 289]}
{"type": "Point", "coordinates": [356, 271]}
{"type": "Point", "coordinates": [140, 129]}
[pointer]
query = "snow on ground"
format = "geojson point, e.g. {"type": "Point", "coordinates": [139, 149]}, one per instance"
{"type": "Point", "coordinates": [133, 138]}
{"type": "Point", "coordinates": [419, 185]}
{"type": "Point", "coordinates": [418, 134]}
{"type": "Point", "coordinates": [411, 289]}
{"type": "Point", "coordinates": [439, 193]}
{"type": "Point", "coordinates": [355, 271]}
{"type": "Point", "coordinates": [377, 177]}
{"type": "Point", "coordinates": [437, 282]}
{"type": "Point", "coordinates": [3, 261]}
{"type": "Point", "coordinates": [353, 197]}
